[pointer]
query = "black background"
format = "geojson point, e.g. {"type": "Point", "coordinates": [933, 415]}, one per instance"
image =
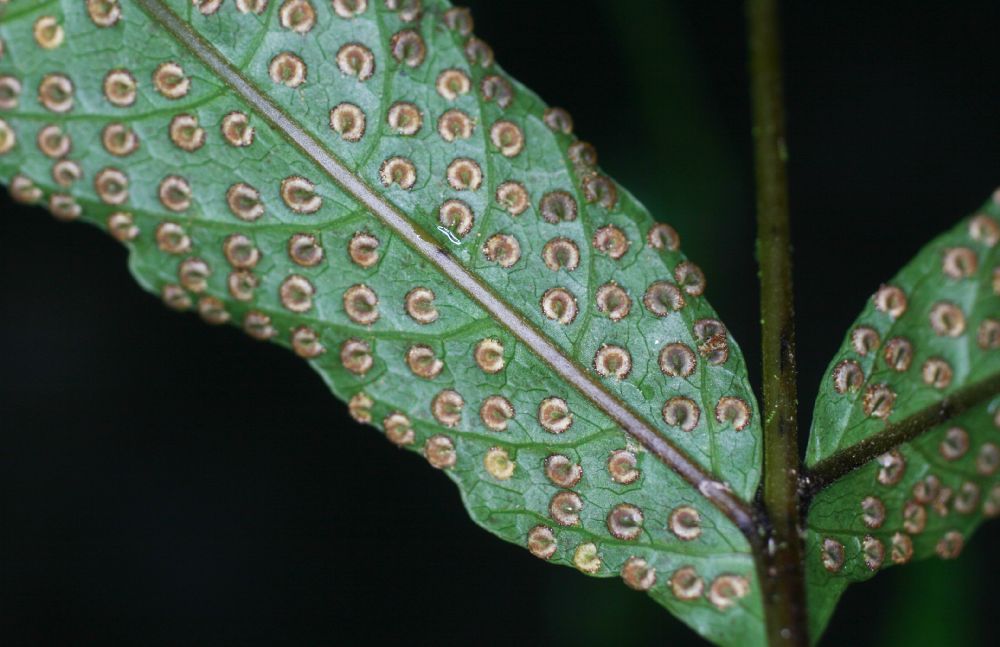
{"type": "Point", "coordinates": [162, 482]}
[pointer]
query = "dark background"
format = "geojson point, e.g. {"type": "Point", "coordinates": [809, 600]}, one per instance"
{"type": "Point", "coordinates": [162, 482]}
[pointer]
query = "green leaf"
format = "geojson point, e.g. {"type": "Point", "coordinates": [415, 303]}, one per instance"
{"type": "Point", "coordinates": [926, 344]}
{"type": "Point", "coordinates": [360, 182]}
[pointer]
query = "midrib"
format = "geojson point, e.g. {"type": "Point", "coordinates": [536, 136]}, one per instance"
{"type": "Point", "coordinates": [505, 315]}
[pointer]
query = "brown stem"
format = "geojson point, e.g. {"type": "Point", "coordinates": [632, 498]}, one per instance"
{"type": "Point", "coordinates": [779, 564]}
{"type": "Point", "coordinates": [840, 464]}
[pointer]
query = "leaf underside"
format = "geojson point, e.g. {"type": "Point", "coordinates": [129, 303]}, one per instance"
{"type": "Point", "coordinates": [108, 117]}
{"type": "Point", "coordinates": [924, 335]}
